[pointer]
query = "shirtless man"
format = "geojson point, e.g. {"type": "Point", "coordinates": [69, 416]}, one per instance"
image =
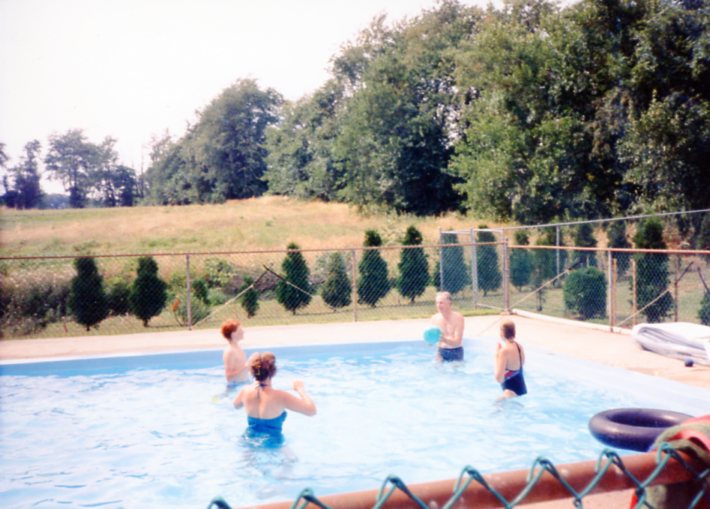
{"type": "Point", "coordinates": [235, 365]}
{"type": "Point", "coordinates": [451, 324]}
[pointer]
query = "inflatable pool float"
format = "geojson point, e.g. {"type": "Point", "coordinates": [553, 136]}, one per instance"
{"type": "Point", "coordinates": [680, 340]}
{"type": "Point", "coordinates": [635, 429]}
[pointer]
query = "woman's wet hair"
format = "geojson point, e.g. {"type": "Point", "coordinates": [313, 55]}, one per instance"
{"type": "Point", "coordinates": [507, 329]}
{"type": "Point", "coordinates": [263, 366]}
{"type": "Point", "coordinates": [228, 328]}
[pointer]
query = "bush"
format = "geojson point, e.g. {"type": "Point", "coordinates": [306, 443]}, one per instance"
{"type": "Point", "coordinates": [455, 271]}
{"type": "Point", "coordinates": [584, 237]}
{"type": "Point", "coordinates": [294, 291]}
{"type": "Point", "coordinates": [652, 276]}
{"type": "Point", "coordinates": [616, 235]}
{"type": "Point", "coordinates": [373, 284]}
{"type": "Point", "coordinates": [218, 272]}
{"type": "Point", "coordinates": [413, 267]}
{"type": "Point", "coordinates": [489, 276]}
{"type": "Point", "coordinates": [337, 289]}
{"type": "Point", "coordinates": [585, 293]}
{"type": "Point", "coordinates": [118, 294]}
{"type": "Point", "coordinates": [200, 290]}
{"type": "Point", "coordinates": [30, 303]}
{"type": "Point", "coordinates": [521, 262]}
{"type": "Point", "coordinates": [250, 299]}
{"type": "Point", "coordinates": [87, 298]}
{"type": "Point", "coordinates": [704, 311]}
{"type": "Point", "coordinates": [216, 297]}
{"type": "Point", "coordinates": [148, 292]}
{"type": "Point", "coordinates": [702, 239]}
{"type": "Point", "coordinates": [546, 267]}
{"type": "Point", "coordinates": [198, 309]}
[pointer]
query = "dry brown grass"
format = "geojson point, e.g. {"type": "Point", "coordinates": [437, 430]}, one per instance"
{"type": "Point", "coordinates": [260, 223]}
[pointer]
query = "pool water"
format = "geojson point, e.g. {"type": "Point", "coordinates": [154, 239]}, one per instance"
{"type": "Point", "coordinates": [105, 434]}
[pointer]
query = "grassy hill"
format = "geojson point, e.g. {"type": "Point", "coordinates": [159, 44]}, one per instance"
{"type": "Point", "coordinates": [254, 224]}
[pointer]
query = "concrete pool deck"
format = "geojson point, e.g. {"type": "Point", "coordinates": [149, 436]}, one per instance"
{"type": "Point", "coordinates": [592, 343]}
{"type": "Point", "coordinates": [585, 341]}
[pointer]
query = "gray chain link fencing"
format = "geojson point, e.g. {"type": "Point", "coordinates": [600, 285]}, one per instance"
{"type": "Point", "coordinates": [618, 287]}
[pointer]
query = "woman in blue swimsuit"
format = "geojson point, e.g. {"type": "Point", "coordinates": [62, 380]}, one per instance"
{"type": "Point", "coordinates": [510, 358]}
{"type": "Point", "coordinates": [265, 406]}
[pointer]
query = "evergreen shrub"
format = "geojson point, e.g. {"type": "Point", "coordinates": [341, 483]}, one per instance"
{"type": "Point", "coordinates": [584, 293]}
{"type": "Point", "coordinates": [374, 283]}
{"type": "Point", "coordinates": [87, 298]}
{"type": "Point", "coordinates": [295, 291]}
{"type": "Point", "coordinates": [413, 266]}
{"type": "Point", "coordinates": [148, 292]}
{"type": "Point", "coordinates": [337, 289]}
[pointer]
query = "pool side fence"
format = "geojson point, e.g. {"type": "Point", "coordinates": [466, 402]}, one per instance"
{"type": "Point", "coordinates": [635, 474]}
{"type": "Point", "coordinates": [613, 287]}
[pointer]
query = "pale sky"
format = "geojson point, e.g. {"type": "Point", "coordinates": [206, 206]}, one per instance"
{"type": "Point", "coordinates": [131, 69]}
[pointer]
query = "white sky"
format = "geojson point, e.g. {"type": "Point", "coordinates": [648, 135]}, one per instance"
{"type": "Point", "coordinates": [133, 68]}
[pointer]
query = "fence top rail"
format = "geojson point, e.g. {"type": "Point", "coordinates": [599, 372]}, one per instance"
{"type": "Point", "coordinates": [686, 252]}
{"type": "Point", "coordinates": [572, 223]}
{"type": "Point", "coordinates": [250, 252]}
{"type": "Point", "coordinates": [631, 250]}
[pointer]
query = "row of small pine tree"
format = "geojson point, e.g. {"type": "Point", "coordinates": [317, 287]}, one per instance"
{"type": "Point", "coordinates": [584, 287]}
{"type": "Point", "coordinates": [295, 290]}
{"type": "Point", "coordinates": [90, 304]}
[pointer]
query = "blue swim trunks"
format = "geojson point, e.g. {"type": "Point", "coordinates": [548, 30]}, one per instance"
{"type": "Point", "coordinates": [451, 354]}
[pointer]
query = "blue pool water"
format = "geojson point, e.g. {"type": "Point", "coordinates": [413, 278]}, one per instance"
{"type": "Point", "coordinates": [157, 430]}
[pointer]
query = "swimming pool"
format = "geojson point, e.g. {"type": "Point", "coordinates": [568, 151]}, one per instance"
{"type": "Point", "coordinates": [110, 433]}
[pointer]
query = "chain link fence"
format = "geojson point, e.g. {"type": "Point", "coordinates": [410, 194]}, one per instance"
{"type": "Point", "coordinates": [484, 269]}
{"type": "Point", "coordinates": [51, 297]}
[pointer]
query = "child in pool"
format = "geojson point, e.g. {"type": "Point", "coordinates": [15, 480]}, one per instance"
{"type": "Point", "coordinates": [235, 365]}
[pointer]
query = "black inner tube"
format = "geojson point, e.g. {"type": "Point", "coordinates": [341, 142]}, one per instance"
{"type": "Point", "coordinates": [635, 429]}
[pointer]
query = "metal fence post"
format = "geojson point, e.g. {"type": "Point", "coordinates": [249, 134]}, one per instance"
{"type": "Point", "coordinates": [506, 276]}
{"type": "Point", "coordinates": [634, 305]}
{"type": "Point", "coordinates": [557, 251]}
{"type": "Point", "coordinates": [188, 284]}
{"type": "Point", "coordinates": [474, 269]}
{"type": "Point", "coordinates": [614, 272]}
{"type": "Point", "coordinates": [354, 281]}
{"type": "Point", "coordinates": [609, 289]}
{"type": "Point", "coordinates": [441, 263]}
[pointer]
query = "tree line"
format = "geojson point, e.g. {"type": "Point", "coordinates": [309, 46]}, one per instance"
{"type": "Point", "coordinates": [89, 172]}
{"type": "Point", "coordinates": [529, 113]}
